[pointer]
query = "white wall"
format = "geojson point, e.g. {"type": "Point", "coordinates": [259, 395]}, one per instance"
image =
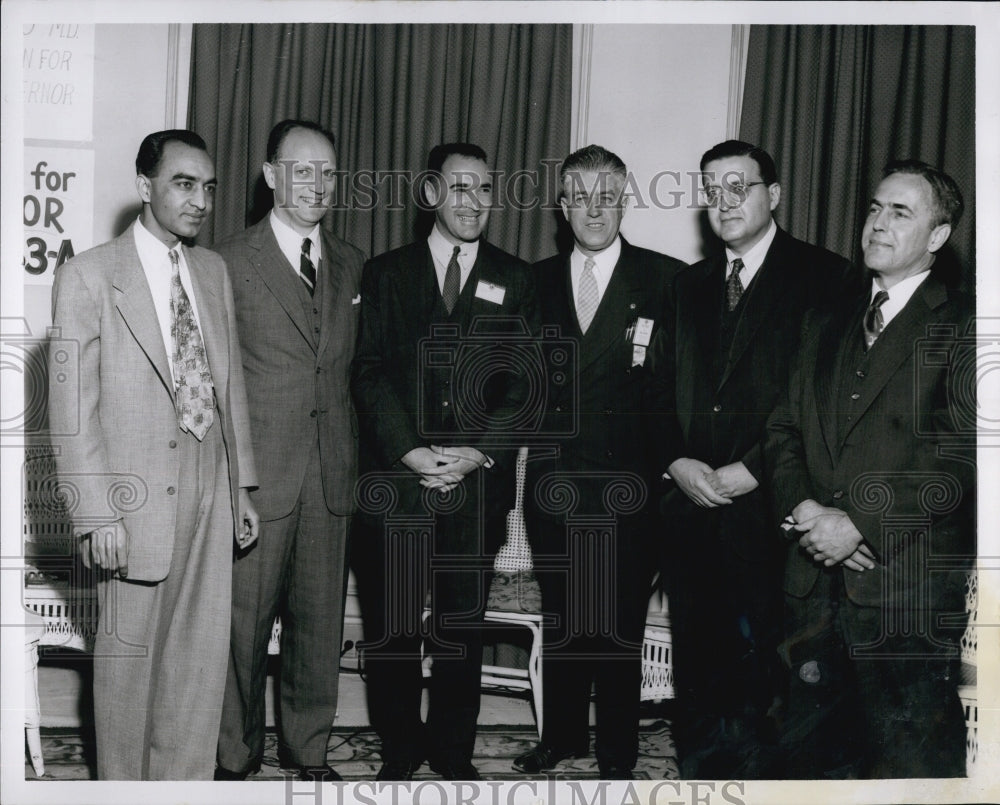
{"type": "Point", "coordinates": [658, 96]}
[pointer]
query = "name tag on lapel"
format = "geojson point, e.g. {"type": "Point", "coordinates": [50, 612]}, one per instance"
{"type": "Point", "coordinates": [643, 332]}
{"type": "Point", "coordinates": [490, 292]}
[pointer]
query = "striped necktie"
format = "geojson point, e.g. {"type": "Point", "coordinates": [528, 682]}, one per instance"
{"type": "Point", "coordinates": [587, 297]}
{"type": "Point", "coordinates": [874, 323]}
{"type": "Point", "coordinates": [306, 269]}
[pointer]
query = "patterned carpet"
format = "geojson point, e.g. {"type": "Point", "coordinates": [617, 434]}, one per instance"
{"type": "Point", "coordinates": [354, 754]}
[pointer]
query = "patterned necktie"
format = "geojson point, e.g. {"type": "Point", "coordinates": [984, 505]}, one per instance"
{"type": "Point", "coordinates": [194, 393]}
{"type": "Point", "coordinates": [306, 269]}
{"type": "Point", "coordinates": [734, 287]}
{"type": "Point", "coordinates": [452, 281]}
{"type": "Point", "coordinates": [873, 319]}
{"type": "Point", "coordinates": [587, 297]}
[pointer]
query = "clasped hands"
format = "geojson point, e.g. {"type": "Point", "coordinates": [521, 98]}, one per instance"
{"type": "Point", "coordinates": [443, 468]}
{"type": "Point", "coordinates": [711, 488]}
{"type": "Point", "coordinates": [830, 537]}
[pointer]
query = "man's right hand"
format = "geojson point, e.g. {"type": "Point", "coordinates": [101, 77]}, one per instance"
{"type": "Point", "coordinates": [435, 471]}
{"type": "Point", "coordinates": [692, 477]}
{"type": "Point", "coordinates": [106, 548]}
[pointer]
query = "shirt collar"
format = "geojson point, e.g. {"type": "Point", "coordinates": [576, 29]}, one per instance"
{"type": "Point", "coordinates": [152, 250]}
{"type": "Point", "coordinates": [754, 258]}
{"type": "Point", "coordinates": [900, 293]}
{"type": "Point", "coordinates": [604, 262]}
{"type": "Point", "coordinates": [290, 241]}
{"type": "Point", "coordinates": [442, 249]}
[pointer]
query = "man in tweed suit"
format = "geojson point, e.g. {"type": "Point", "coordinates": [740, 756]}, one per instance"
{"type": "Point", "coordinates": [296, 289]}
{"type": "Point", "coordinates": [159, 460]}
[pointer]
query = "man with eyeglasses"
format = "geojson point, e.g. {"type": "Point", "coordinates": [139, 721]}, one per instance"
{"type": "Point", "coordinates": [737, 320]}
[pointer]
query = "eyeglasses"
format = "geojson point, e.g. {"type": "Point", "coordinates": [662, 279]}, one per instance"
{"type": "Point", "coordinates": [739, 191]}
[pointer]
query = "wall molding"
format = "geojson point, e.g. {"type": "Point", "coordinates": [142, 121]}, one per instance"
{"type": "Point", "coordinates": [178, 75]}
{"type": "Point", "coordinates": [737, 79]}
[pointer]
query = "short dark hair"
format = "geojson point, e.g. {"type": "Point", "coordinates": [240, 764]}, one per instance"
{"type": "Point", "coordinates": [739, 148]}
{"type": "Point", "coordinates": [439, 153]}
{"type": "Point", "coordinates": [147, 161]}
{"type": "Point", "coordinates": [948, 204]}
{"type": "Point", "coordinates": [592, 158]}
{"type": "Point", "coordinates": [281, 130]}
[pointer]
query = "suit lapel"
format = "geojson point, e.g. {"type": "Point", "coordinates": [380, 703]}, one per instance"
{"type": "Point", "coordinates": [763, 300]}
{"type": "Point", "coordinates": [706, 313]}
{"type": "Point", "coordinates": [332, 271]}
{"type": "Point", "coordinates": [278, 275]}
{"type": "Point", "coordinates": [897, 342]}
{"type": "Point", "coordinates": [833, 350]}
{"type": "Point", "coordinates": [210, 321]}
{"type": "Point", "coordinates": [135, 303]}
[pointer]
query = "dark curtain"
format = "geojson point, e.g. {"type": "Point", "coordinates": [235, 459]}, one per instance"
{"type": "Point", "coordinates": [389, 93]}
{"type": "Point", "coordinates": [834, 104]}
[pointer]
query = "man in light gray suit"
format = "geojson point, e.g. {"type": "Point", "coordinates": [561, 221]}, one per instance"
{"type": "Point", "coordinates": [297, 290]}
{"type": "Point", "coordinates": [157, 465]}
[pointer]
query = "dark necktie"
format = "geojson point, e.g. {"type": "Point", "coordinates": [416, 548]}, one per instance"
{"type": "Point", "coordinates": [306, 269]}
{"type": "Point", "coordinates": [194, 392]}
{"type": "Point", "coordinates": [873, 319]}
{"type": "Point", "coordinates": [734, 287]}
{"type": "Point", "coordinates": [452, 281]}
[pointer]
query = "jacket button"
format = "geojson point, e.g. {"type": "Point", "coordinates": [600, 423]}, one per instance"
{"type": "Point", "coordinates": [319, 370]}
{"type": "Point", "coordinates": [170, 490]}
{"type": "Point", "coordinates": [716, 408]}
{"type": "Point", "coordinates": [608, 411]}
{"type": "Point", "coordinates": [445, 404]}
{"type": "Point", "coordinates": [558, 409]}
{"type": "Point", "coordinates": [838, 494]}
{"type": "Point", "coordinates": [313, 413]}
{"type": "Point", "coordinates": [609, 454]}
{"type": "Point", "coordinates": [860, 373]}
{"type": "Point", "coordinates": [172, 444]}
{"type": "Point", "coordinates": [855, 396]}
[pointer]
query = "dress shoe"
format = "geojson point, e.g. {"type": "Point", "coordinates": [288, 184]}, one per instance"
{"type": "Point", "coordinates": [225, 774]}
{"type": "Point", "coordinates": [395, 771]}
{"type": "Point", "coordinates": [322, 774]}
{"type": "Point", "coordinates": [616, 773]}
{"type": "Point", "coordinates": [460, 770]}
{"type": "Point", "coordinates": [544, 757]}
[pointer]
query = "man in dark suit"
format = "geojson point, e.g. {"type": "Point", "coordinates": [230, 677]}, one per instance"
{"type": "Point", "coordinates": [296, 289]}
{"type": "Point", "coordinates": [159, 460]}
{"type": "Point", "coordinates": [737, 319]}
{"type": "Point", "coordinates": [873, 456]}
{"type": "Point", "coordinates": [588, 503]}
{"type": "Point", "coordinates": [437, 403]}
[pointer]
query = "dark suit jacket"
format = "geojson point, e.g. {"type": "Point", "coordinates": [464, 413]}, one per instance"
{"type": "Point", "coordinates": [721, 415]}
{"type": "Point", "coordinates": [298, 382]}
{"type": "Point", "coordinates": [422, 377]}
{"type": "Point", "coordinates": [903, 447]}
{"type": "Point", "coordinates": [605, 420]}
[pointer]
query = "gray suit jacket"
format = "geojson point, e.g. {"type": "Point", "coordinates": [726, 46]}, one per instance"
{"type": "Point", "coordinates": [297, 379]}
{"type": "Point", "coordinates": [111, 396]}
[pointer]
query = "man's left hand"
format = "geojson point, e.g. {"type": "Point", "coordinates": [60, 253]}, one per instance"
{"type": "Point", "coordinates": [248, 526]}
{"type": "Point", "coordinates": [733, 480]}
{"type": "Point", "coordinates": [830, 537]}
{"type": "Point", "coordinates": [456, 462]}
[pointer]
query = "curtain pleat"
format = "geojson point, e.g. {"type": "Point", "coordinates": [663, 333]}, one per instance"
{"type": "Point", "coordinates": [389, 93]}
{"type": "Point", "coordinates": [834, 104]}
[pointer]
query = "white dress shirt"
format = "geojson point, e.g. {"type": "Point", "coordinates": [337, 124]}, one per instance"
{"type": "Point", "coordinates": [754, 258]}
{"type": "Point", "coordinates": [899, 295]}
{"type": "Point", "coordinates": [442, 250]}
{"type": "Point", "coordinates": [155, 259]}
{"type": "Point", "coordinates": [290, 243]}
{"type": "Point", "coordinates": [604, 266]}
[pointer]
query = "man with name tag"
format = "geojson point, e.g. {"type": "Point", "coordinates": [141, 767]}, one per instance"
{"type": "Point", "coordinates": [589, 519]}
{"type": "Point", "coordinates": [738, 315]}
{"type": "Point", "coordinates": [439, 409]}
{"type": "Point", "coordinates": [296, 287]}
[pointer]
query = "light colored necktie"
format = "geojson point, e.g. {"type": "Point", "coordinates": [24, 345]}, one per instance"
{"type": "Point", "coordinates": [587, 296]}
{"type": "Point", "coordinates": [874, 323]}
{"type": "Point", "coordinates": [452, 281]}
{"type": "Point", "coordinates": [734, 286]}
{"type": "Point", "coordinates": [194, 392]}
{"type": "Point", "coordinates": [306, 269]}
